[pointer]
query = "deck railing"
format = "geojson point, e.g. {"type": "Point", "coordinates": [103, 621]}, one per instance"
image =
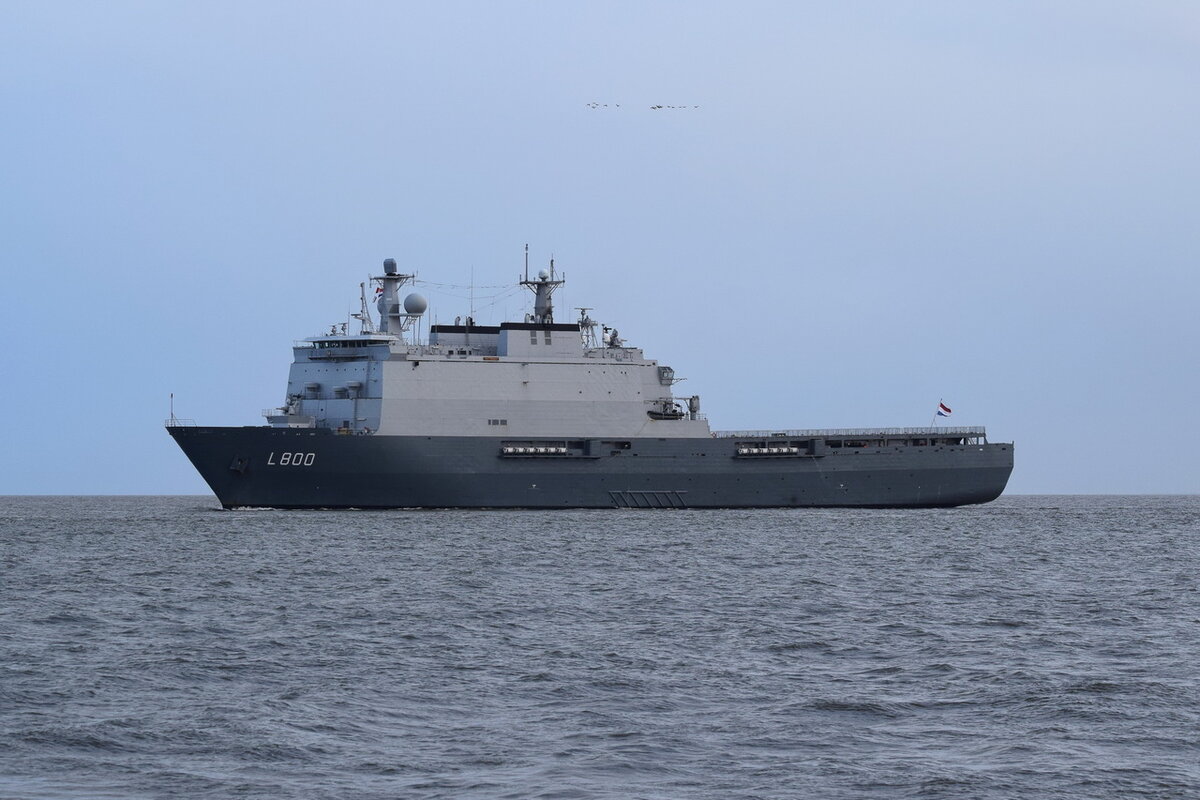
{"type": "Point", "coordinates": [828, 433]}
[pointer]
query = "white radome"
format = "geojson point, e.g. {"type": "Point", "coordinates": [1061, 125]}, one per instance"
{"type": "Point", "coordinates": [415, 304]}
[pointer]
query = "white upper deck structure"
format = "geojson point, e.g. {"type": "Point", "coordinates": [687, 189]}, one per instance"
{"type": "Point", "coordinates": [533, 378]}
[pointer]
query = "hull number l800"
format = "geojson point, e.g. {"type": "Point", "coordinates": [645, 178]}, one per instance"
{"type": "Point", "coordinates": [292, 460]}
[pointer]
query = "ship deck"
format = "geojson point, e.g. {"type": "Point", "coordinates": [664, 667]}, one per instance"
{"type": "Point", "coordinates": [940, 432]}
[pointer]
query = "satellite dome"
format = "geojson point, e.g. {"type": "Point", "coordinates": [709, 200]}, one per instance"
{"type": "Point", "coordinates": [543, 276]}
{"type": "Point", "coordinates": [415, 304]}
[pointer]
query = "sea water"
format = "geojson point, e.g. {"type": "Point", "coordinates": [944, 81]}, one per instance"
{"type": "Point", "coordinates": [1034, 647]}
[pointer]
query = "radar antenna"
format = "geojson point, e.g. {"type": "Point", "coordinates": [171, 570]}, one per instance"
{"type": "Point", "coordinates": [393, 319]}
{"type": "Point", "coordinates": [543, 287]}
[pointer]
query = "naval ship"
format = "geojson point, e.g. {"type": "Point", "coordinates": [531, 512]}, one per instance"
{"type": "Point", "coordinates": [545, 414]}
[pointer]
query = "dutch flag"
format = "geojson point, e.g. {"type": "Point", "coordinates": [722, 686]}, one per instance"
{"type": "Point", "coordinates": [943, 410]}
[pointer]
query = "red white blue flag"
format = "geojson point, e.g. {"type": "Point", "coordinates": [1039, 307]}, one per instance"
{"type": "Point", "coordinates": [943, 410]}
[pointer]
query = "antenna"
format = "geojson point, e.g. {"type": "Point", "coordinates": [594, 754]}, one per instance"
{"type": "Point", "coordinates": [364, 314]}
{"type": "Point", "coordinates": [587, 327]}
{"type": "Point", "coordinates": [542, 287]}
{"type": "Point", "coordinates": [471, 305]}
{"type": "Point", "coordinates": [527, 261]}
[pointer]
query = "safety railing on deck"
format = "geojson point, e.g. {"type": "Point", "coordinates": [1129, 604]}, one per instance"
{"type": "Point", "coordinates": [854, 432]}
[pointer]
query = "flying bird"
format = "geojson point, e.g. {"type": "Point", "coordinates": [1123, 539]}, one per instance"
{"type": "Point", "coordinates": [657, 107]}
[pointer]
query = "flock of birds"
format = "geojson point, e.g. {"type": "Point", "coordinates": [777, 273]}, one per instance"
{"type": "Point", "coordinates": [652, 108]}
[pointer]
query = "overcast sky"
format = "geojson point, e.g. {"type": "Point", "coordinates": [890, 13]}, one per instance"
{"type": "Point", "coordinates": [855, 209]}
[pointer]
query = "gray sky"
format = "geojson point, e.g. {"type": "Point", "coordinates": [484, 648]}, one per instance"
{"type": "Point", "coordinates": [874, 206]}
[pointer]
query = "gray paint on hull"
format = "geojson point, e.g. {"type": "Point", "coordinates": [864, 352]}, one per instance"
{"type": "Point", "coordinates": [244, 467]}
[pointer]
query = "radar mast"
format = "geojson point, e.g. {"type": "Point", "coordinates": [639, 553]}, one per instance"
{"type": "Point", "coordinates": [543, 288]}
{"type": "Point", "coordinates": [396, 318]}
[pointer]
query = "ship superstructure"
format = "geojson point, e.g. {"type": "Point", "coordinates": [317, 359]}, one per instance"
{"type": "Point", "coordinates": [541, 413]}
{"type": "Point", "coordinates": [534, 378]}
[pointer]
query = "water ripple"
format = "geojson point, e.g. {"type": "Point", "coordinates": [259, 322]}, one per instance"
{"type": "Point", "coordinates": [1038, 646]}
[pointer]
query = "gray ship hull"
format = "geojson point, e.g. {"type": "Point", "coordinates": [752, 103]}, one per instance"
{"type": "Point", "coordinates": [317, 468]}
